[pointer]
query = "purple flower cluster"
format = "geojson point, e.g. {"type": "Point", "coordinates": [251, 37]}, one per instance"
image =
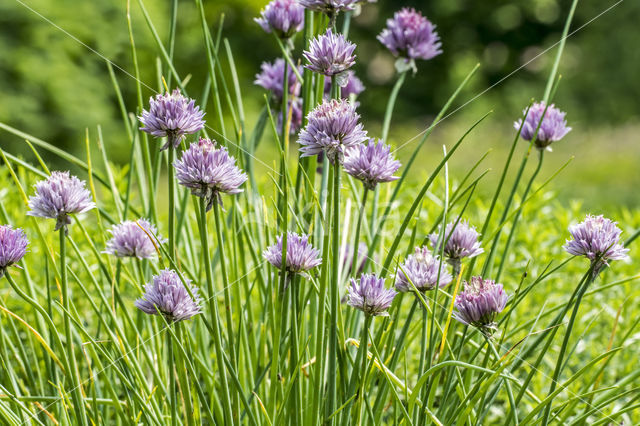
{"type": "Point", "coordinates": [168, 296]}
{"type": "Point", "coordinates": [371, 163]}
{"type": "Point", "coordinates": [422, 269]}
{"type": "Point", "coordinates": [333, 128]}
{"type": "Point", "coordinates": [480, 303]}
{"type": "Point", "coordinates": [353, 86]}
{"type": "Point", "coordinates": [460, 242]}
{"type": "Point", "coordinates": [553, 127]}
{"type": "Point", "coordinates": [411, 36]}
{"type": "Point", "coordinates": [134, 239]}
{"type": "Point", "coordinates": [209, 171]}
{"type": "Point", "coordinates": [300, 257]}
{"type": "Point", "coordinates": [370, 296]}
{"type": "Point", "coordinates": [329, 6]}
{"type": "Point", "coordinates": [13, 247]}
{"type": "Point", "coordinates": [271, 77]}
{"type": "Point", "coordinates": [598, 239]}
{"type": "Point", "coordinates": [172, 116]}
{"type": "Point", "coordinates": [330, 54]}
{"type": "Point", "coordinates": [59, 196]}
{"type": "Point", "coordinates": [284, 17]}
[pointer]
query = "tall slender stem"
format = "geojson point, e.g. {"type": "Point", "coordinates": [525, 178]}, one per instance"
{"type": "Point", "coordinates": [296, 392]}
{"type": "Point", "coordinates": [227, 293]}
{"type": "Point", "coordinates": [171, 188]}
{"type": "Point", "coordinates": [565, 344]}
{"type": "Point", "coordinates": [215, 315]}
{"type": "Point", "coordinates": [76, 392]}
{"type": "Point", "coordinates": [516, 219]}
{"type": "Point", "coordinates": [514, 412]}
{"type": "Point", "coordinates": [172, 378]}
{"type": "Point", "coordinates": [364, 343]}
{"type": "Point", "coordinates": [386, 125]}
{"type": "Point", "coordinates": [322, 297]}
{"type": "Point", "coordinates": [356, 239]}
{"type": "Point", "coordinates": [424, 344]}
{"type": "Point", "coordinates": [334, 300]}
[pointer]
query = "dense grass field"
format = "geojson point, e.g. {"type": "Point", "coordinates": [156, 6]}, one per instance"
{"type": "Point", "coordinates": [162, 295]}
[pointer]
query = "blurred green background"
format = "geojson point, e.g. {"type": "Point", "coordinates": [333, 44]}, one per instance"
{"type": "Point", "coordinates": [55, 84]}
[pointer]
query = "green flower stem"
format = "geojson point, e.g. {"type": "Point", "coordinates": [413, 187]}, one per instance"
{"type": "Point", "coordinates": [424, 344]}
{"type": "Point", "coordinates": [44, 314]}
{"type": "Point", "coordinates": [76, 392]}
{"type": "Point", "coordinates": [505, 253]}
{"type": "Point", "coordinates": [362, 357]}
{"type": "Point", "coordinates": [171, 189]}
{"type": "Point", "coordinates": [279, 324]}
{"type": "Point", "coordinates": [215, 315]}
{"type": "Point", "coordinates": [395, 352]}
{"type": "Point", "coordinates": [296, 392]}
{"type": "Point", "coordinates": [386, 124]}
{"type": "Point", "coordinates": [542, 347]}
{"type": "Point", "coordinates": [233, 358]}
{"type": "Point", "coordinates": [172, 378]}
{"type": "Point", "coordinates": [183, 377]}
{"type": "Point", "coordinates": [565, 343]}
{"type": "Point", "coordinates": [321, 325]}
{"type": "Point", "coordinates": [512, 403]}
{"type": "Point", "coordinates": [356, 239]}
{"type": "Point", "coordinates": [334, 295]}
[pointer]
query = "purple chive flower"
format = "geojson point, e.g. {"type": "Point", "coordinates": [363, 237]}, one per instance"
{"type": "Point", "coordinates": [330, 54]}
{"type": "Point", "coordinates": [301, 256]}
{"type": "Point", "coordinates": [421, 270]}
{"type": "Point", "coordinates": [462, 242]}
{"type": "Point", "coordinates": [553, 128]}
{"type": "Point", "coordinates": [369, 295]}
{"type": "Point", "coordinates": [59, 196]}
{"type": "Point", "coordinates": [284, 17]}
{"type": "Point", "coordinates": [13, 246]}
{"type": "Point", "coordinates": [209, 171]}
{"type": "Point", "coordinates": [328, 6]}
{"type": "Point", "coordinates": [167, 295]}
{"type": "Point", "coordinates": [353, 86]}
{"type": "Point", "coordinates": [332, 128]}
{"type": "Point", "coordinates": [271, 77]}
{"type": "Point", "coordinates": [371, 163]}
{"type": "Point", "coordinates": [598, 239]}
{"type": "Point", "coordinates": [295, 107]}
{"type": "Point", "coordinates": [134, 239]}
{"type": "Point", "coordinates": [480, 303]}
{"type": "Point", "coordinates": [411, 36]}
{"type": "Point", "coordinates": [172, 116]}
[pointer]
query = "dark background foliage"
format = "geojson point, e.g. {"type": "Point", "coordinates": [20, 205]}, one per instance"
{"type": "Point", "coordinates": [55, 84]}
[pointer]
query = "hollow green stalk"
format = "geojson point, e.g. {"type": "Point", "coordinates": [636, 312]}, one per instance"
{"type": "Point", "coordinates": [386, 124]}
{"type": "Point", "coordinates": [514, 411]}
{"type": "Point", "coordinates": [517, 217]}
{"type": "Point", "coordinates": [296, 392]}
{"type": "Point", "coordinates": [565, 342]}
{"type": "Point", "coordinates": [362, 356]}
{"type": "Point", "coordinates": [215, 315]}
{"type": "Point", "coordinates": [172, 378]}
{"type": "Point", "coordinates": [227, 295]}
{"type": "Point", "coordinates": [334, 295]}
{"type": "Point", "coordinates": [356, 238]}
{"type": "Point", "coordinates": [76, 392]}
{"type": "Point", "coordinates": [171, 188]}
